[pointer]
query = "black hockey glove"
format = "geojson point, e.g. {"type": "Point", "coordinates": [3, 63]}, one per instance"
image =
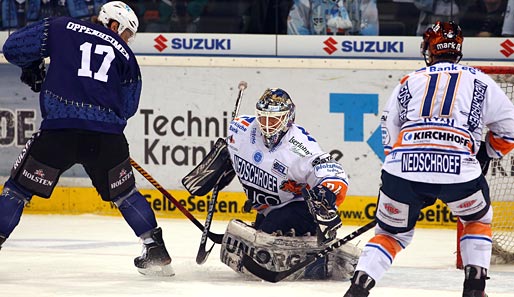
{"type": "Point", "coordinates": [483, 158]}
{"type": "Point", "coordinates": [34, 75]}
{"type": "Point", "coordinates": [321, 202]}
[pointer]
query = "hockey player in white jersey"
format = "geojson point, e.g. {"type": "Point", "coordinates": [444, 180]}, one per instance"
{"type": "Point", "coordinates": [274, 159]}
{"type": "Point", "coordinates": [432, 129]}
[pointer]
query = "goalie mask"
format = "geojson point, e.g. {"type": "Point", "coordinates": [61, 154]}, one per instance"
{"type": "Point", "coordinates": [121, 13]}
{"type": "Point", "coordinates": [442, 42]}
{"type": "Point", "coordinates": [275, 112]}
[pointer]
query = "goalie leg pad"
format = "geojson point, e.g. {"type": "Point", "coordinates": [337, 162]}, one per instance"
{"type": "Point", "coordinates": [279, 253]}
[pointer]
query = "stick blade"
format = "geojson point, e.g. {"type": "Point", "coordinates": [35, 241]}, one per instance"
{"type": "Point", "coordinates": [202, 254]}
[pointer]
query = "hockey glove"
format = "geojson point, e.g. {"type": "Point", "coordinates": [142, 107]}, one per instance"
{"type": "Point", "coordinates": [483, 158]}
{"type": "Point", "coordinates": [321, 203]}
{"type": "Point", "coordinates": [34, 75]}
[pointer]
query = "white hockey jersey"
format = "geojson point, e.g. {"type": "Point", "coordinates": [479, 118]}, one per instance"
{"type": "Point", "coordinates": [274, 178]}
{"type": "Point", "coordinates": [433, 122]}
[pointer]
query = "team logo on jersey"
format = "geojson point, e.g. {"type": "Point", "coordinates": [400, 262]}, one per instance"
{"type": "Point", "coordinates": [236, 126]}
{"type": "Point", "coordinates": [391, 209]}
{"type": "Point", "coordinates": [386, 138]}
{"type": "Point", "coordinates": [298, 147]}
{"type": "Point", "coordinates": [431, 162]}
{"type": "Point", "coordinates": [404, 97]}
{"type": "Point", "coordinates": [253, 135]}
{"type": "Point", "coordinates": [123, 176]}
{"type": "Point", "coordinates": [467, 204]}
{"type": "Point", "coordinates": [257, 157]}
{"type": "Point", "coordinates": [279, 168]}
{"type": "Point", "coordinates": [38, 177]}
{"type": "Point", "coordinates": [325, 158]}
{"type": "Point", "coordinates": [253, 174]}
{"type": "Point", "coordinates": [476, 105]}
{"type": "Point", "coordinates": [292, 186]}
{"type": "Point", "coordinates": [435, 137]}
{"type": "Point", "coordinates": [325, 169]}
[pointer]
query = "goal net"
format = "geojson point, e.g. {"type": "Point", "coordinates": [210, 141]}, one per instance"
{"type": "Point", "coordinates": [501, 183]}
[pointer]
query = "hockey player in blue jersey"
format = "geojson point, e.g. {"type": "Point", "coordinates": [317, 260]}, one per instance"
{"type": "Point", "coordinates": [91, 89]}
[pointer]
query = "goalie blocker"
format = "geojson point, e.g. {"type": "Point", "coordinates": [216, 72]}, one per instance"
{"type": "Point", "coordinates": [279, 253]}
{"type": "Point", "coordinates": [215, 168]}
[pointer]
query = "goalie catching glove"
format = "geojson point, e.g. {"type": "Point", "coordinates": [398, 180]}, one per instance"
{"type": "Point", "coordinates": [322, 205]}
{"type": "Point", "coordinates": [34, 75]}
{"type": "Point", "coordinates": [215, 169]}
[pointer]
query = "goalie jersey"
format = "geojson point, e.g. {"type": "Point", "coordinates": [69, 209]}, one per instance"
{"type": "Point", "coordinates": [273, 178]}
{"type": "Point", "coordinates": [433, 124]}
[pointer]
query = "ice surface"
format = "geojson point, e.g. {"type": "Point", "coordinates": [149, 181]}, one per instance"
{"type": "Point", "coordinates": [90, 255]}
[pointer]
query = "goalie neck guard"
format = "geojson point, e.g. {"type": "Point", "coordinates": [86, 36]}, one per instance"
{"type": "Point", "coordinates": [442, 42]}
{"type": "Point", "coordinates": [275, 112]}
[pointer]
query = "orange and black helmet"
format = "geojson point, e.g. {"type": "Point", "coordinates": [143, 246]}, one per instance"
{"type": "Point", "coordinates": [442, 41]}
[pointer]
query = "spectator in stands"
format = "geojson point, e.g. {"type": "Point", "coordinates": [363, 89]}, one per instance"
{"type": "Point", "coordinates": [492, 21]}
{"type": "Point", "coordinates": [155, 15]}
{"type": "Point", "coordinates": [333, 17]}
{"type": "Point", "coordinates": [439, 10]}
{"type": "Point", "coordinates": [267, 17]}
{"type": "Point", "coordinates": [84, 9]}
{"type": "Point", "coordinates": [53, 8]}
{"type": "Point", "coordinates": [508, 21]}
{"type": "Point", "coordinates": [13, 13]}
{"type": "Point", "coordinates": [18, 13]}
{"type": "Point", "coordinates": [170, 15]}
{"type": "Point", "coordinates": [223, 16]}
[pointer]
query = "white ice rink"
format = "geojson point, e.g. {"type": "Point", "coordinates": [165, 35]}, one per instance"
{"type": "Point", "coordinates": [92, 256]}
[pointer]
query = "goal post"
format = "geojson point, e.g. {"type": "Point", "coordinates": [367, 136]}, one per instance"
{"type": "Point", "coordinates": [501, 185]}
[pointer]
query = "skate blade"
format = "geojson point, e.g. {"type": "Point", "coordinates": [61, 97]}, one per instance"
{"type": "Point", "coordinates": [159, 271]}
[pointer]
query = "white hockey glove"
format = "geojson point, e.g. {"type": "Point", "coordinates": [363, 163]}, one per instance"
{"type": "Point", "coordinates": [321, 202]}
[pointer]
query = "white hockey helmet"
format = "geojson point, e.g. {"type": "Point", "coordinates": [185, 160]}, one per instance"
{"type": "Point", "coordinates": [276, 113]}
{"type": "Point", "coordinates": [123, 14]}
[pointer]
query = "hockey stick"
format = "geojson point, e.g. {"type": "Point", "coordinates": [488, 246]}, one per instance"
{"type": "Point", "coordinates": [203, 253]}
{"type": "Point", "coordinates": [275, 276]}
{"type": "Point", "coordinates": [217, 238]}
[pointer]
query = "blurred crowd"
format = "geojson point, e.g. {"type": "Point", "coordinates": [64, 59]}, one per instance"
{"type": "Point", "coordinates": [306, 17]}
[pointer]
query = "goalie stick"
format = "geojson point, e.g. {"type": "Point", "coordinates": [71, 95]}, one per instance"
{"type": "Point", "coordinates": [275, 276]}
{"type": "Point", "coordinates": [203, 253]}
{"type": "Point", "coordinates": [217, 238]}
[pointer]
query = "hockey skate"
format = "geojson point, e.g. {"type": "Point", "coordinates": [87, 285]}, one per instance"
{"type": "Point", "coordinates": [361, 284]}
{"type": "Point", "coordinates": [474, 284]}
{"type": "Point", "coordinates": [155, 260]}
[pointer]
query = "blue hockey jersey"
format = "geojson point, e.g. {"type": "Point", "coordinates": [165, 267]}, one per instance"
{"type": "Point", "coordinates": [93, 81]}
